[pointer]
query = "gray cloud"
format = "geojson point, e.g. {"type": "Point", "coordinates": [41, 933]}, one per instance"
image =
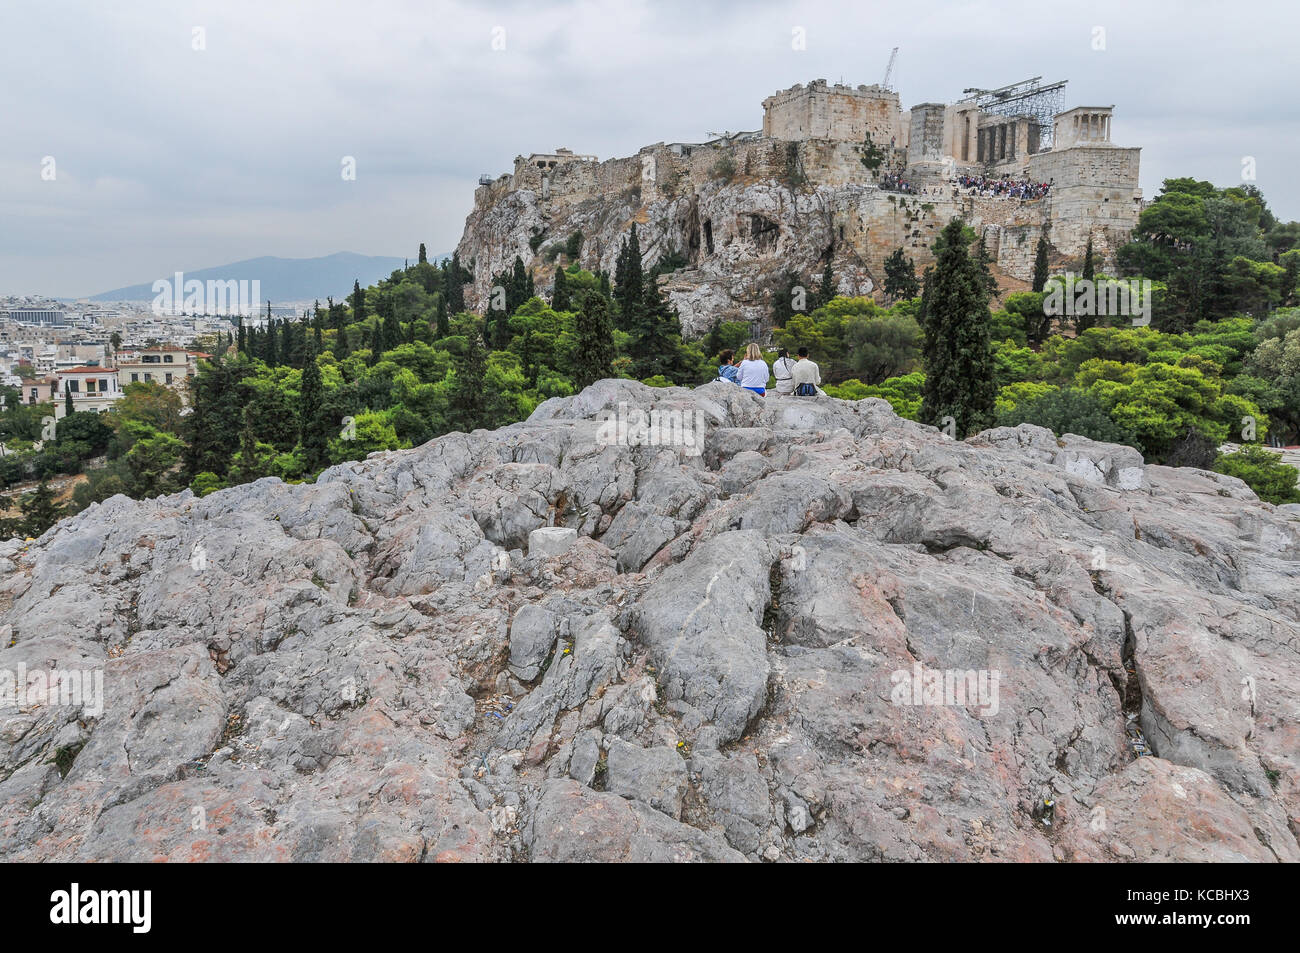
{"type": "Point", "coordinates": [170, 158]}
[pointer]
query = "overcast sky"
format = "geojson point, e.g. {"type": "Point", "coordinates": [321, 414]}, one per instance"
{"type": "Point", "coordinates": [168, 157]}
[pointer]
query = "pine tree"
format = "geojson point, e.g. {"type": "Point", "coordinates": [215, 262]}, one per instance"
{"type": "Point", "coordinates": [960, 373]}
{"type": "Point", "coordinates": [211, 429]}
{"type": "Point", "coordinates": [656, 337]}
{"type": "Point", "coordinates": [39, 510]}
{"type": "Point", "coordinates": [1040, 263]}
{"type": "Point", "coordinates": [1087, 261]}
{"type": "Point", "coordinates": [595, 332]}
{"type": "Point", "coordinates": [900, 276]}
{"type": "Point", "coordinates": [560, 293]}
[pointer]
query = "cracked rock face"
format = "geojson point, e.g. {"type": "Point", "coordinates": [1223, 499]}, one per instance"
{"type": "Point", "coordinates": [739, 239]}
{"type": "Point", "coordinates": [831, 635]}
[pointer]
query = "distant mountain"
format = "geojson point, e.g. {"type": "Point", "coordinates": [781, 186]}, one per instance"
{"type": "Point", "coordinates": [284, 279]}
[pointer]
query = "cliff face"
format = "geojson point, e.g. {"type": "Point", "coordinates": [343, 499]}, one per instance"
{"type": "Point", "coordinates": [778, 629]}
{"type": "Point", "coordinates": [742, 215]}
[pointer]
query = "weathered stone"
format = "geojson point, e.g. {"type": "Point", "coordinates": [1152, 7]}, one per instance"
{"type": "Point", "coordinates": [551, 541]}
{"type": "Point", "coordinates": [532, 635]}
{"type": "Point", "coordinates": [654, 775]}
{"type": "Point", "coordinates": [835, 635]}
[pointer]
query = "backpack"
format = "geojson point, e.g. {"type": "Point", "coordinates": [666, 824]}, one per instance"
{"type": "Point", "coordinates": [806, 390]}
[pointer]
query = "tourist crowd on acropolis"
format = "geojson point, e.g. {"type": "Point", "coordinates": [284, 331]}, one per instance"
{"type": "Point", "coordinates": [1016, 189]}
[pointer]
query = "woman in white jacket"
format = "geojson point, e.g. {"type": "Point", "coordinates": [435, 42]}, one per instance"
{"type": "Point", "coordinates": [754, 371]}
{"type": "Point", "coordinates": [783, 371]}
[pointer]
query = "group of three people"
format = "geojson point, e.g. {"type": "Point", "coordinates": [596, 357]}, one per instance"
{"type": "Point", "coordinates": [800, 378]}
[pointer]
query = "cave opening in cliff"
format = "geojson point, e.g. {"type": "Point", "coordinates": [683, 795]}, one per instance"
{"type": "Point", "coordinates": [764, 232]}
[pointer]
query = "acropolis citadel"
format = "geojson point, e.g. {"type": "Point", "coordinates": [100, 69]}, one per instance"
{"type": "Point", "coordinates": [840, 174]}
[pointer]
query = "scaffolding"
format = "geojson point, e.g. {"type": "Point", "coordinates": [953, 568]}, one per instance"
{"type": "Point", "coordinates": [1029, 97]}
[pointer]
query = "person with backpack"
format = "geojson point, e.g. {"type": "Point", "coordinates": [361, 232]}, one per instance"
{"type": "Point", "coordinates": [754, 371]}
{"type": "Point", "coordinates": [783, 371]}
{"type": "Point", "coordinates": [807, 376]}
{"type": "Point", "coordinates": [727, 369]}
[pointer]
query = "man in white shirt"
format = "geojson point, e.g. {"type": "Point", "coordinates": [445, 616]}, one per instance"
{"type": "Point", "coordinates": [806, 372]}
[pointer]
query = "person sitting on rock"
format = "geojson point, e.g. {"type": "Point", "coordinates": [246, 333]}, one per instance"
{"type": "Point", "coordinates": [807, 376]}
{"type": "Point", "coordinates": [754, 371]}
{"type": "Point", "coordinates": [727, 369]}
{"type": "Point", "coordinates": [783, 371]}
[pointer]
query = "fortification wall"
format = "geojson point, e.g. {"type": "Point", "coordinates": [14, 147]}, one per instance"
{"type": "Point", "coordinates": [842, 113]}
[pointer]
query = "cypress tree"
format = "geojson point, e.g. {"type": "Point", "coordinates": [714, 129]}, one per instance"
{"type": "Point", "coordinates": [629, 286]}
{"type": "Point", "coordinates": [358, 301]}
{"type": "Point", "coordinates": [68, 409]}
{"type": "Point", "coordinates": [713, 340]}
{"type": "Point", "coordinates": [443, 325]}
{"type": "Point", "coordinates": [392, 330]}
{"type": "Point", "coordinates": [423, 257]}
{"type": "Point", "coordinates": [455, 285]}
{"type": "Point", "coordinates": [272, 358]}
{"type": "Point", "coordinates": [960, 373]}
{"type": "Point", "coordinates": [468, 404]}
{"type": "Point", "coordinates": [342, 347]}
{"type": "Point", "coordinates": [376, 342]}
{"type": "Point", "coordinates": [243, 339]}
{"type": "Point", "coordinates": [826, 290]}
{"type": "Point", "coordinates": [560, 294]}
{"type": "Point", "coordinates": [900, 276]}
{"type": "Point", "coordinates": [313, 427]}
{"type": "Point", "coordinates": [783, 302]}
{"type": "Point", "coordinates": [1040, 263]}
{"type": "Point", "coordinates": [516, 286]}
{"type": "Point", "coordinates": [595, 332]}
{"type": "Point", "coordinates": [1087, 261]}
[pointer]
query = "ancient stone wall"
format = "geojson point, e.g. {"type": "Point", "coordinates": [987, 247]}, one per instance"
{"type": "Point", "coordinates": [926, 137]}
{"type": "Point", "coordinates": [843, 113]}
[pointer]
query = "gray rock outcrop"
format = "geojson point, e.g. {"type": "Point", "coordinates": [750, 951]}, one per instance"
{"type": "Point", "coordinates": [832, 635]}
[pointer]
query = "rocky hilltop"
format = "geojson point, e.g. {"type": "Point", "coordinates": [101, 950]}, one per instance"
{"type": "Point", "coordinates": [543, 643]}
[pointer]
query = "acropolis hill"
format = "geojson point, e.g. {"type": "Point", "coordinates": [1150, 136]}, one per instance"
{"type": "Point", "coordinates": [744, 208]}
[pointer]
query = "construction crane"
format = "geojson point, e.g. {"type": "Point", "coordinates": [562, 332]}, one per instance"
{"type": "Point", "coordinates": [889, 70]}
